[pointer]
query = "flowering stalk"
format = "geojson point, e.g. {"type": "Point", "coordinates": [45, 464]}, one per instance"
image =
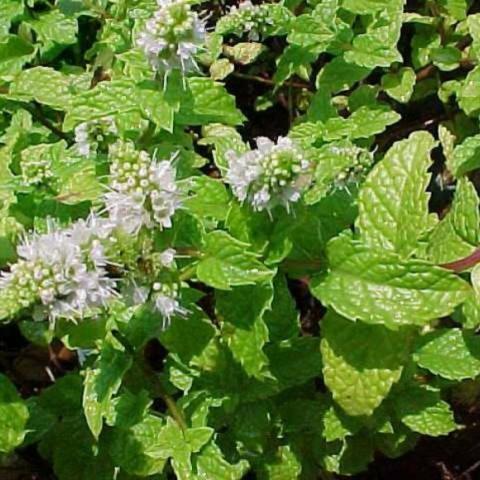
{"type": "Point", "coordinates": [62, 270]}
{"type": "Point", "coordinates": [143, 190]}
{"type": "Point", "coordinates": [272, 174]}
{"type": "Point", "coordinates": [172, 37]}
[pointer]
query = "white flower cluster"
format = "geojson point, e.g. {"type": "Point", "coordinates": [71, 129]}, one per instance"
{"type": "Point", "coordinates": [172, 37]}
{"type": "Point", "coordinates": [64, 270]}
{"type": "Point", "coordinates": [143, 190]}
{"type": "Point", "coordinates": [88, 135]}
{"type": "Point", "coordinates": [247, 17]}
{"type": "Point", "coordinates": [273, 174]}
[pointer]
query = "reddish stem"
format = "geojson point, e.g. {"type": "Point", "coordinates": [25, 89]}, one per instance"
{"type": "Point", "coordinates": [463, 263]}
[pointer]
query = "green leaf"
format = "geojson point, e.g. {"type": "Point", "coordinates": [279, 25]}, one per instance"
{"type": "Point", "coordinates": [282, 319]}
{"type": "Point", "coordinates": [224, 139]}
{"type": "Point", "coordinates": [455, 8]}
{"type": "Point", "coordinates": [393, 202]}
{"type": "Point", "coordinates": [469, 95]}
{"type": "Point", "coordinates": [339, 75]}
{"type": "Point", "coordinates": [178, 339]}
{"type": "Point", "coordinates": [363, 123]}
{"type": "Point", "coordinates": [14, 415]}
{"type": "Point", "coordinates": [364, 7]}
{"type": "Point", "coordinates": [9, 11]}
{"type": "Point", "coordinates": [227, 263]}
{"type": "Point", "coordinates": [284, 464]}
{"type": "Point", "coordinates": [446, 58]}
{"type": "Point", "coordinates": [128, 409]}
{"type": "Point", "coordinates": [316, 29]}
{"type": "Point", "coordinates": [294, 362]}
{"type": "Point", "coordinates": [244, 52]}
{"type": "Point", "coordinates": [14, 53]}
{"type": "Point", "coordinates": [422, 410]}
{"type": "Point", "coordinates": [450, 353]}
{"type": "Point", "coordinates": [154, 107]}
{"type": "Point", "coordinates": [360, 362]}
{"type": "Point", "coordinates": [130, 449]}
{"type": "Point", "coordinates": [55, 27]}
{"type": "Point", "coordinates": [221, 68]}
{"type": "Point", "coordinates": [210, 198]}
{"type": "Point", "coordinates": [74, 453]}
{"type": "Point", "coordinates": [47, 86]}
{"type": "Point", "coordinates": [400, 85]}
{"type": "Point", "coordinates": [207, 101]}
{"type": "Point", "coordinates": [350, 456]}
{"type": "Point", "coordinates": [101, 383]}
{"type": "Point", "coordinates": [106, 99]}
{"type": "Point", "coordinates": [241, 312]}
{"type": "Point", "coordinates": [294, 60]}
{"type": "Point", "coordinates": [458, 233]}
{"type": "Point", "coordinates": [466, 156]}
{"type": "Point", "coordinates": [377, 47]}
{"type": "Point", "coordinates": [378, 287]}
{"type": "Point", "coordinates": [211, 463]}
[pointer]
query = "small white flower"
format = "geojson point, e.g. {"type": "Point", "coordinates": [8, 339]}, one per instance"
{"type": "Point", "coordinates": [165, 301]}
{"type": "Point", "coordinates": [89, 134]}
{"type": "Point", "coordinates": [144, 191]}
{"type": "Point", "coordinates": [273, 174]}
{"type": "Point", "coordinates": [63, 269]}
{"type": "Point", "coordinates": [167, 257]}
{"type": "Point", "coordinates": [172, 37]}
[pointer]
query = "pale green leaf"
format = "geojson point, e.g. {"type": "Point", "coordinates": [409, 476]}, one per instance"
{"type": "Point", "coordinates": [211, 463]}
{"type": "Point", "coordinates": [469, 94]}
{"type": "Point", "coordinates": [393, 202]}
{"type": "Point", "coordinates": [13, 414]}
{"type": "Point", "coordinates": [47, 86]}
{"type": "Point", "coordinates": [339, 75]}
{"type": "Point", "coordinates": [227, 263]}
{"type": "Point", "coordinates": [422, 410]}
{"type": "Point", "coordinates": [400, 85]}
{"type": "Point", "coordinates": [101, 383]}
{"type": "Point", "coordinates": [458, 233]}
{"type": "Point", "coordinates": [221, 68]}
{"type": "Point", "coordinates": [55, 27]}
{"type": "Point", "coordinates": [208, 197]}
{"type": "Point", "coordinates": [450, 353]}
{"type": "Point", "coordinates": [466, 156]}
{"type": "Point", "coordinates": [360, 362]}
{"type": "Point", "coordinates": [369, 285]}
{"type": "Point", "coordinates": [241, 312]}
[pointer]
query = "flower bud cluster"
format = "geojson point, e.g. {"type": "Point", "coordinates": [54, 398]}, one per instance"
{"type": "Point", "coordinates": [362, 160]}
{"type": "Point", "coordinates": [271, 175]}
{"type": "Point", "coordinates": [62, 270]}
{"type": "Point", "coordinates": [143, 190]}
{"type": "Point", "coordinates": [90, 135]}
{"type": "Point", "coordinates": [172, 37]}
{"type": "Point", "coordinates": [35, 170]}
{"type": "Point", "coordinates": [247, 17]}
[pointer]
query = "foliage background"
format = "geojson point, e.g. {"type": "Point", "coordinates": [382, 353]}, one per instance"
{"type": "Point", "coordinates": [316, 339]}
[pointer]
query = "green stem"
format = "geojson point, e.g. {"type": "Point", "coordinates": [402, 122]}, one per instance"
{"type": "Point", "coordinates": [139, 359]}
{"type": "Point", "coordinates": [188, 273]}
{"type": "Point", "coordinates": [268, 81]}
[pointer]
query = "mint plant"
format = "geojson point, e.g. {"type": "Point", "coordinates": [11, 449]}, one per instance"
{"type": "Point", "coordinates": [254, 227]}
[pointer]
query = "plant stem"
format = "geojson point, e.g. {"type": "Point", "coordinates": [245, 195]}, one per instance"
{"type": "Point", "coordinates": [140, 361]}
{"type": "Point", "coordinates": [38, 114]}
{"type": "Point", "coordinates": [268, 81]}
{"type": "Point", "coordinates": [464, 263]}
{"type": "Point", "coordinates": [188, 273]}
